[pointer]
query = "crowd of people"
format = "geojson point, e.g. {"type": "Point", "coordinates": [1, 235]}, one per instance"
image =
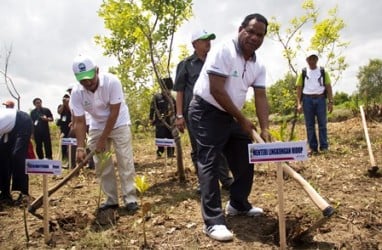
{"type": "Point", "coordinates": [211, 86]}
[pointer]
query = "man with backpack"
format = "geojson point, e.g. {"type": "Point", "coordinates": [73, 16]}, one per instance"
{"type": "Point", "coordinates": [314, 97]}
{"type": "Point", "coordinates": [160, 112]}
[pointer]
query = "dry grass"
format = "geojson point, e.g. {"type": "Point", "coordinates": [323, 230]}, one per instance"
{"type": "Point", "coordinates": [175, 219]}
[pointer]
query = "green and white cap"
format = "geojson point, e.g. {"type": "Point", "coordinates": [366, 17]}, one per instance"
{"type": "Point", "coordinates": [84, 68]}
{"type": "Point", "coordinates": [202, 35]}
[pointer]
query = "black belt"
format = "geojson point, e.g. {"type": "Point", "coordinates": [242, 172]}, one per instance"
{"type": "Point", "coordinates": [198, 98]}
{"type": "Point", "coordinates": [315, 95]}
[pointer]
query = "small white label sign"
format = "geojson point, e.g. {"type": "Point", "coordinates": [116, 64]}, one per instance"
{"type": "Point", "coordinates": [69, 141]}
{"type": "Point", "coordinates": [43, 167]}
{"type": "Point", "coordinates": [164, 142]}
{"type": "Point", "coordinates": [277, 152]}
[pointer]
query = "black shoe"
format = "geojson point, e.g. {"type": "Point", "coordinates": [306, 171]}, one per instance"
{"type": "Point", "coordinates": [104, 206]}
{"type": "Point", "coordinates": [22, 200]}
{"type": "Point", "coordinates": [131, 207]}
{"type": "Point", "coordinates": [6, 199]}
{"type": "Point", "coordinates": [312, 152]}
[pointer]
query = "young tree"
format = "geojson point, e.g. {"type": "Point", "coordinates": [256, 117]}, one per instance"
{"type": "Point", "coordinates": [8, 80]}
{"type": "Point", "coordinates": [325, 40]}
{"type": "Point", "coordinates": [141, 39]}
{"type": "Point", "coordinates": [370, 82]}
{"type": "Point", "coordinates": [341, 97]}
{"type": "Point", "coordinates": [282, 95]}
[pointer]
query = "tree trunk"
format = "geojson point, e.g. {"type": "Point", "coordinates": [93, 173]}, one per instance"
{"type": "Point", "coordinates": [179, 154]}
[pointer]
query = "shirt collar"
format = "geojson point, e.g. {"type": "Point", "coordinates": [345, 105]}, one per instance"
{"type": "Point", "coordinates": [195, 58]}
{"type": "Point", "coordinates": [239, 51]}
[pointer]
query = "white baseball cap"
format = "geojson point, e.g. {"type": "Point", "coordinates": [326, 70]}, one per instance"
{"type": "Point", "coordinates": [311, 53]}
{"type": "Point", "coordinates": [202, 35]}
{"type": "Point", "coordinates": [84, 67]}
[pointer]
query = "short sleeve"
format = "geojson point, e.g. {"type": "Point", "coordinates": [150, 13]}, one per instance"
{"type": "Point", "coordinates": [327, 79]}
{"type": "Point", "coordinates": [76, 103]}
{"type": "Point", "coordinates": [181, 76]}
{"type": "Point", "coordinates": [299, 80]}
{"type": "Point", "coordinates": [219, 62]}
{"type": "Point", "coordinates": [260, 80]}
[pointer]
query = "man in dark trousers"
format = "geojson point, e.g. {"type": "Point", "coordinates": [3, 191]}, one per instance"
{"type": "Point", "coordinates": [221, 128]}
{"type": "Point", "coordinates": [187, 72]}
{"type": "Point", "coordinates": [63, 122]}
{"type": "Point", "coordinates": [41, 117]}
{"type": "Point", "coordinates": [314, 99]}
{"type": "Point", "coordinates": [160, 112]}
{"type": "Point", "coordinates": [15, 133]}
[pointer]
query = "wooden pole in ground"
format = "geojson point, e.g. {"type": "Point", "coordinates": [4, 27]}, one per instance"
{"type": "Point", "coordinates": [371, 155]}
{"type": "Point", "coordinates": [69, 150]}
{"type": "Point", "coordinates": [45, 202]}
{"type": "Point", "coordinates": [280, 198]}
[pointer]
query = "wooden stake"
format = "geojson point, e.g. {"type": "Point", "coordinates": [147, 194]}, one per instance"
{"type": "Point", "coordinates": [280, 198]}
{"type": "Point", "coordinates": [46, 214]}
{"type": "Point", "coordinates": [371, 155]}
{"type": "Point", "coordinates": [69, 150]}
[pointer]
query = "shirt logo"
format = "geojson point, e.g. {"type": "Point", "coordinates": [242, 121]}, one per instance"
{"type": "Point", "coordinates": [87, 104]}
{"type": "Point", "coordinates": [235, 74]}
{"type": "Point", "coordinates": [81, 67]}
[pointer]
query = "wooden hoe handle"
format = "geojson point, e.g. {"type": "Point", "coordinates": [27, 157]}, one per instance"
{"type": "Point", "coordinates": [37, 203]}
{"type": "Point", "coordinates": [322, 204]}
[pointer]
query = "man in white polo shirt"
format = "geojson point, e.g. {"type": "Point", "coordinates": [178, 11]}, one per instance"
{"type": "Point", "coordinates": [102, 97]}
{"type": "Point", "coordinates": [220, 127]}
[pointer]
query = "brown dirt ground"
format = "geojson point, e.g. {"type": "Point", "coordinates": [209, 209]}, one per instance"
{"type": "Point", "coordinates": [174, 221]}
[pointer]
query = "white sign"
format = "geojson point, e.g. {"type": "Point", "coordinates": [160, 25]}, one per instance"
{"type": "Point", "coordinates": [69, 141]}
{"type": "Point", "coordinates": [277, 151]}
{"type": "Point", "coordinates": [43, 167]}
{"type": "Point", "coordinates": [164, 142]}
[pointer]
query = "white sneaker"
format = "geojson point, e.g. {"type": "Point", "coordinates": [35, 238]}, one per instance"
{"type": "Point", "coordinates": [254, 211]}
{"type": "Point", "coordinates": [218, 232]}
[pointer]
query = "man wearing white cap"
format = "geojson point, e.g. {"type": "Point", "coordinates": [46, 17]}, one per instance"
{"type": "Point", "coordinates": [313, 88]}
{"type": "Point", "coordinates": [187, 73]}
{"type": "Point", "coordinates": [102, 97]}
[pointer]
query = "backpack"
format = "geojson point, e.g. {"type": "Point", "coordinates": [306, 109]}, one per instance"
{"type": "Point", "coordinates": [322, 71]}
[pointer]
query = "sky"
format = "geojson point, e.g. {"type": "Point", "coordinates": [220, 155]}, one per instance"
{"type": "Point", "coordinates": [44, 36]}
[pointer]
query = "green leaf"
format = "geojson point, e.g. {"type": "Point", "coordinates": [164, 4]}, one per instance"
{"type": "Point", "coordinates": [141, 184]}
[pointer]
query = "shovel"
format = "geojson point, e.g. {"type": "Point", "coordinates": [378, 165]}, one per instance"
{"type": "Point", "coordinates": [372, 171]}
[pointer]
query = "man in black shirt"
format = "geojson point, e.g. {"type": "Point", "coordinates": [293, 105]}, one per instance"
{"type": "Point", "coordinates": [65, 119]}
{"type": "Point", "coordinates": [187, 73]}
{"type": "Point", "coordinates": [41, 117]}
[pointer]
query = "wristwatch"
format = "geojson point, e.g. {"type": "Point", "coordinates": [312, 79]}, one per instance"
{"type": "Point", "coordinates": [179, 117]}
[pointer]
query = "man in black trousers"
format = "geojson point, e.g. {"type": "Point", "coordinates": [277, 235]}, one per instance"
{"type": "Point", "coordinates": [41, 117]}
{"type": "Point", "coordinates": [15, 133]}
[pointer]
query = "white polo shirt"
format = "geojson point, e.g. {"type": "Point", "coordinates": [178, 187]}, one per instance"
{"type": "Point", "coordinates": [7, 120]}
{"type": "Point", "coordinates": [227, 60]}
{"type": "Point", "coordinates": [97, 104]}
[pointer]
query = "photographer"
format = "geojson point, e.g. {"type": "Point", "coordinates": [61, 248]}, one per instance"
{"type": "Point", "coordinates": [64, 122]}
